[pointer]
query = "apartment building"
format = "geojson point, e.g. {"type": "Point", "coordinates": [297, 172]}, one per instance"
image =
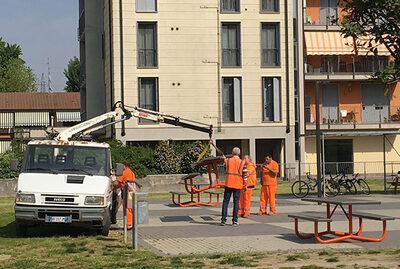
{"type": "Point", "coordinates": [355, 112]}
{"type": "Point", "coordinates": [228, 63]}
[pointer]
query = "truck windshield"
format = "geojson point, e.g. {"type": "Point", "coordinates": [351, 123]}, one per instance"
{"type": "Point", "coordinates": [66, 160]}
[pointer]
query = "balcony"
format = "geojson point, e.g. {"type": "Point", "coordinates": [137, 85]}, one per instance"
{"type": "Point", "coordinates": [343, 67]}
{"type": "Point", "coordinates": [317, 17]}
{"type": "Point", "coordinates": [360, 116]}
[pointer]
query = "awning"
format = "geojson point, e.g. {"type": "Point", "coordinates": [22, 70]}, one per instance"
{"type": "Point", "coordinates": [6, 120]}
{"type": "Point", "coordinates": [68, 116]}
{"type": "Point", "coordinates": [364, 42]}
{"type": "Point", "coordinates": [328, 43]}
{"type": "Point", "coordinates": [32, 119]}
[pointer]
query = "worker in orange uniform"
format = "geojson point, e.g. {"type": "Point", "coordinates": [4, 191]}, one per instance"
{"type": "Point", "coordinates": [127, 174]}
{"type": "Point", "coordinates": [245, 194]}
{"type": "Point", "coordinates": [269, 172]}
{"type": "Point", "coordinates": [235, 180]}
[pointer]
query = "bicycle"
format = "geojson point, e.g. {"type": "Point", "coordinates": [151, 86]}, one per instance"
{"type": "Point", "coordinates": [362, 184]}
{"type": "Point", "coordinates": [343, 181]}
{"type": "Point", "coordinates": [301, 188]}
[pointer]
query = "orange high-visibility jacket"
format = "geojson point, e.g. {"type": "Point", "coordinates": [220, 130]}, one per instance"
{"type": "Point", "coordinates": [269, 178]}
{"type": "Point", "coordinates": [234, 173]}
{"type": "Point", "coordinates": [127, 174]}
{"type": "Point", "coordinates": [251, 174]}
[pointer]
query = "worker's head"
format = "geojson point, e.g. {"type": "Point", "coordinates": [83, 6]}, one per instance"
{"type": "Point", "coordinates": [126, 164]}
{"type": "Point", "coordinates": [247, 158]}
{"type": "Point", "coordinates": [268, 158]}
{"type": "Point", "coordinates": [236, 151]}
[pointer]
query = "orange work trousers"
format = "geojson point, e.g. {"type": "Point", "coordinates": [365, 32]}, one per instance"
{"type": "Point", "coordinates": [244, 202]}
{"type": "Point", "coordinates": [129, 219]}
{"type": "Point", "coordinates": [267, 195]}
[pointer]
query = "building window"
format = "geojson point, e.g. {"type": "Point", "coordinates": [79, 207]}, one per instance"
{"type": "Point", "coordinates": [148, 94]}
{"type": "Point", "coordinates": [146, 5]}
{"type": "Point", "coordinates": [270, 55]}
{"type": "Point", "coordinates": [230, 44]}
{"type": "Point", "coordinates": [232, 99]}
{"type": "Point", "coordinates": [271, 89]}
{"type": "Point", "coordinates": [147, 44]}
{"type": "Point", "coordinates": [270, 5]}
{"type": "Point", "coordinates": [230, 5]}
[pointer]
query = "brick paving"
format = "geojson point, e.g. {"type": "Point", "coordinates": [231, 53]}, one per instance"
{"type": "Point", "coordinates": [173, 230]}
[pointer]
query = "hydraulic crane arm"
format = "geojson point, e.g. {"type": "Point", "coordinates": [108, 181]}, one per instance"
{"type": "Point", "coordinates": [120, 113]}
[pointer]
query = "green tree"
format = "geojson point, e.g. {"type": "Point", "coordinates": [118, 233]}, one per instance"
{"type": "Point", "coordinates": [15, 76]}
{"type": "Point", "coordinates": [379, 19]}
{"type": "Point", "coordinates": [72, 75]}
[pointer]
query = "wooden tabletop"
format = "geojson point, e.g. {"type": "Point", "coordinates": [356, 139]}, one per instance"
{"type": "Point", "coordinates": [341, 201]}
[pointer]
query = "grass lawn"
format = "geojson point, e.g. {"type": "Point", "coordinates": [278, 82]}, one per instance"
{"type": "Point", "coordinates": [60, 247]}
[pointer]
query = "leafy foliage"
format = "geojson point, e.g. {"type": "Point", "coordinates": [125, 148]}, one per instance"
{"type": "Point", "coordinates": [72, 75]}
{"type": "Point", "coordinates": [167, 161]}
{"type": "Point", "coordinates": [14, 75]}
{"type": "Point", "coordinates": [189, 157]}
{"type": "Point", "coordinates": [379, 19]}
{"type": "Point", "coordinates": [141, 158]}
{"type": "Point", "coordinates": [16, 152]}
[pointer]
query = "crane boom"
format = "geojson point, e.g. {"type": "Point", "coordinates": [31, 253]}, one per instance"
{"type": "Point", "coordinates": [120, 113]}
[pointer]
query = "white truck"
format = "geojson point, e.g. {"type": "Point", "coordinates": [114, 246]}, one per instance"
{"type": "Point", "coordinates": [70, 182]}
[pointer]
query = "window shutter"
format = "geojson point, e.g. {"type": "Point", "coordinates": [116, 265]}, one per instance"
{"type": "Point", "coordinates": [237, 100]}
{"type": "Point", "coordinates": [277, 100]}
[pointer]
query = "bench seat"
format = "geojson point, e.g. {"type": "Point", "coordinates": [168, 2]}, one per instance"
{"type": "Point", "coordinates": [212, 192]}
{"type": "Point", "coordinates": [310, 218]}
{"type": "Point", "coordinates": [178, 192]}
{"type": "Point", "coordinates": [371, 216]}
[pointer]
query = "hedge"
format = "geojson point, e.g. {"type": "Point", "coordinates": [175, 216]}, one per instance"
{"type": "Point", "coordinates": [167, 158]}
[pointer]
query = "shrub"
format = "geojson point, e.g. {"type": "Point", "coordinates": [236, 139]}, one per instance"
{"type": "Point", "coordinates": [141, 158]}
{"type": "Point", "coordinates": [189, 157]}
{"type": "Point", "coordinates": [167, 161]}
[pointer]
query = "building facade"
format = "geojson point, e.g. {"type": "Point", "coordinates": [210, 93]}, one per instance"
{"type": "Point", "coordinates": [359, 117]}
{"type": "Point", "coordinates": [228, 63]}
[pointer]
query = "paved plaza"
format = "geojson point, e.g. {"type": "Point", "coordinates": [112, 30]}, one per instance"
{"type": "Point", "coordinates": [174, 230]}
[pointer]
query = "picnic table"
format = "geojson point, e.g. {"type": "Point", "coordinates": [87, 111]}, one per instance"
{"type": "Point", "coordinates": [194, 188]}
{"type": "Point", "coordinates": [346, 206]}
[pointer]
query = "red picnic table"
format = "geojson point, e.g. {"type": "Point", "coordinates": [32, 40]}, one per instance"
{"type": "Point", "coordinates": [340, 202]}
{"type": "Point", "coordinates": [193, 188]}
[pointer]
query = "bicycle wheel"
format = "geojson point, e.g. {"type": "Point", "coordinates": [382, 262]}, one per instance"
{"type": "Point", "coordinates": [350, 187]}
{"type": "Point", "coordinates": [300, 189]}
{"type": "Point", "coordinates": [363, 186]}
{"type": "Point", "coordinates": [332, 188]}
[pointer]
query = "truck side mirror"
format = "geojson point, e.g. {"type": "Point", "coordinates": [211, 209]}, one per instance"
{"type": "Point", "coordinates": [14, 164]}
{"type": "Point", "coordinates": [119, 169]}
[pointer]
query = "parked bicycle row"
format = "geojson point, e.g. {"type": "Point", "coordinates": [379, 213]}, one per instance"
{"type": "Point", "coordinates": [331, 185]}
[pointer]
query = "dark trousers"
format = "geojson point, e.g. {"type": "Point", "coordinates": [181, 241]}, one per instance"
{"type": "Point", "coordinates": [227, 196]}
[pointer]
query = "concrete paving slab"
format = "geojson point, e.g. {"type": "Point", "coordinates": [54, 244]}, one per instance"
{"type": "Point", "coordinates": [173, 230]}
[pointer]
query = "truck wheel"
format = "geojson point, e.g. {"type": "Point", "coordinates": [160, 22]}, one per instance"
{"type": "Point", "coordinates": [106, 225]}
{"type": "Point", "coordinates": [20, 229]}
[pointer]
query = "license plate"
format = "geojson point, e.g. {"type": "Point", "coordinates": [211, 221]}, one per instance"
{"type": "Point", "coordinates": [58, 219]}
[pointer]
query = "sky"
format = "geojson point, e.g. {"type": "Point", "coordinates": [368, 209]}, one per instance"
{"type": "Point", "coordinates": [44, 29]}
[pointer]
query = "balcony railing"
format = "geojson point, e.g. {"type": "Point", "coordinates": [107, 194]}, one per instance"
{"type": "Point", "coordinates": [355, 115]}
{"type": "Point", "coordinates": [321, 16]}
{"type": "Point", "coordinates": [335, 65]}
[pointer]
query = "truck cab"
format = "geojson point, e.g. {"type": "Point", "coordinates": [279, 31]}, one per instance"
{"type": "Point", "coordinates": [66, 182]}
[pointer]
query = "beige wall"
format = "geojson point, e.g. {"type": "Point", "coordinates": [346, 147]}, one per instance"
{"type": "Point", "coordinates": [182, 52]}
{"type": "Point", "coordinates": [367, 154]}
